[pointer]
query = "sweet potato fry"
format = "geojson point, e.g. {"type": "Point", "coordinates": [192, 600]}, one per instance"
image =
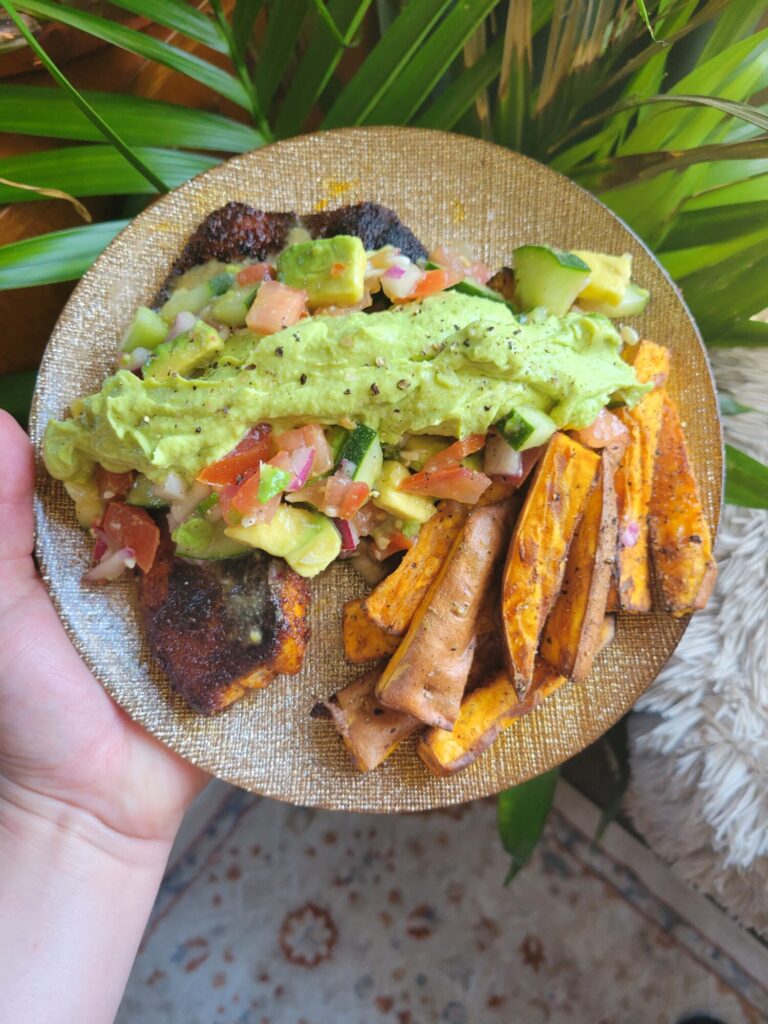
{"type": "Point", "coordinates": [392, 604]}
{"type": "Point", "coordinates": [680, 537]}
{"type": "Point", "coordinates": [428, 673]}
{"type": "Point", "coordinates": [634, 478]}
{"type": "Point", "coordinates": [484, 714]}
{"type": "Point", "coordinates": [571, 636]}
{"type": "Point", "coordinates": [537, 553]}
{"type": "Point", "coordinates": [370, 731]}
{"type": "Point", "coordinates": [363, 639]}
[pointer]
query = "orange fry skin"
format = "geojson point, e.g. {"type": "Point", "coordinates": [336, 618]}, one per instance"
{"type": "Point", "coordinates": [680, 538]}
{"type": "Point", "coordinates": [363, 639]}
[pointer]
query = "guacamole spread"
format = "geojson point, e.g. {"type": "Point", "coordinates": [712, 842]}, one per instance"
{"type": "Point", "coordinates": [452, 364]}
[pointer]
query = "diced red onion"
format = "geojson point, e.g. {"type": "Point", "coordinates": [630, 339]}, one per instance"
{"type": "Point", "coordinates": [301, 459]}
{"type": "Point", "coordinates": [112, 565]}
{"type": "Point", "coordinates": [394, 273]}
{"type": "Point", "coordinates": [99, 549]}
{"type": "Point", "coordinates": [184, 506]}
{"type": "Point", "coordinates": [501, 459]}
{"type": "Point", "coordinates": [171, 489]}
{"type": "Point", "coordinates": [346, 469]}
{"type": "Point", "coordinates": [629, 535]}
{"type": "Point", "coordinates": [135, 359]}
{"type": "Point", "coordinates": [184, 322]}
{"type": "Point", "coordinates": [349, 535]}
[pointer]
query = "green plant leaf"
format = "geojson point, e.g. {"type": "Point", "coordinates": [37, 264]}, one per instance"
{"type": "Point", "coordinates": [16, 394]}
{"type": "Point", "coordinates": [105, 130]}
{"type": "Point", "coordinates": [521, 814]}
{"type": "Point", "coordinates": [729, 406]}
{"type": "Point", "coordinates": [145, 46]}
{"type": "Point", "coordinates": [180, 17]}
{"type": "Point", "coordinates": [514, 89]}
{"type": "Point", "coordinates": [35, 110]}
{"type": "Point", "coordinates": [284, 23]}
{"type": "Point", "coordinates": [746, 479]}
{"type": "Point", "coordinates": [733, 289]}
{"type": "Point", "coordinates": [19, 191]}
{"type": "Point", "coordinates": [457, 98]}
{"type": "Point", "coordinates": [384, 63]}
{"type": "Point", "coordinates": [318, 64]}
{"type": "Point", "coordinates": [643, 11]}
{"type": "Point", "coordinates": [738, 20]}
{"type": "Point", "coordinates": [740, 333]}
{"type": "Point", "coordinates": [97, 171]}
{"type": "Point", "coordinates": [701, 227]}
{"type": "Point", "coordinates": [243, 20]}
{"type": "Point", "coordinates": [407, 92]}
{"type": "Point", "coordinates": [57, 256]}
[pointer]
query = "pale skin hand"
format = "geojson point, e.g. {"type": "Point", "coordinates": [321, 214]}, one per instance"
{"type": "Point", "coordinates": [83, 791]}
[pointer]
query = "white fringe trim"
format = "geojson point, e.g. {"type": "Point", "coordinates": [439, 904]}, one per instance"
{"type": "Point", "coordinates": [699, 744]}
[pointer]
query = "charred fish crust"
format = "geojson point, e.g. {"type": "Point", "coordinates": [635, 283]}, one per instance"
{"type": "Point", "coordinates": [374, 224]}
{"type": "Point", "coordinates": [218, 628]}
{"type": "Point", "coordinates": [232, 232]}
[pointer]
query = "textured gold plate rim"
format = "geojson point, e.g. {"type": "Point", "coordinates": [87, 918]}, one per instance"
{"type": "Point", "coordinates": [232, 745]}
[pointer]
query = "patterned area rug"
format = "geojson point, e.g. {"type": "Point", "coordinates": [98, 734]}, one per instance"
{"type": "Point", "coordinates": [271, 914]}
{"type": "Point", "coordinates": [699, 791]}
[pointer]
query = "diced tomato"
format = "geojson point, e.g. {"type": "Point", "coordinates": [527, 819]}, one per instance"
{"type": "Point", "coordinates": [243, 460]}
{"type": "Point", "coordinates": [113, 485]}
{"type": "Point", "coordinates": [129, 527]}
{"type": "Point", "coordinates": [462, 263]}
{"type": "Point", "coordinates": [433, 281]}
{"type": "Point", "coordinates": [311, 436]}
{"type": "Point", "coordinates": [256, 272]}
{"type": "Point", "coordinates": [276, 306]}
{"type": "Point", "coordinates": [605, 429]}
{"type": "Point", "coordinates": [397, 542]}
{"type": "Point", "coordinates": [454, 453]}
{"type": "Point", "coordinates": [455, 482]}
{"type": "Point", "coordinates": [353, 499]}
{"type": "Point", "coordinates": [226, 494]}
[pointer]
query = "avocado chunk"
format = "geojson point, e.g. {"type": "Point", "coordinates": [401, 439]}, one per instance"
{"type": "Point", "coordinates": [147, 330]}
{"type": "Point", "coordinates": [182, 355]}
{"type": "Point", "coordinates": [308, 541]}
{"type": "Point", "coordinates": [199, 538]}
{"type": "Point", "coordinates": [398, 503]}
{"type": "Point", "coordinates": [417, 448]}
{"type": "Point", "coordinates": [330, 270]}
{"type": "Point", "coordinates": [608, 279]}
{"type": "Point", "coordinates": [548, 277]}
{"type": "Point", "coordinates": [633, 303]}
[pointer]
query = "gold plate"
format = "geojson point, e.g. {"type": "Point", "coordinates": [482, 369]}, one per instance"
{"type": "Point", "coordinates": [447, 188]}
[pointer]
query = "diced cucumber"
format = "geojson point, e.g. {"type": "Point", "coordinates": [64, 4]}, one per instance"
{"type": "Point", "coordinates": [336, 436]}
{"type": "Point", "coordinates": [609, 276]}
{"type": "Point", "coordinates": [200, 538]}
{"type": "Point", "coordinates": [633, 302]}
{"type": "Point", "coordinates": [526, 427]}
{"type": "Point", "coordinates": [186, 300]}
{"type": "Point", "coordinates": [221, 283]}
{"type": "Point", "coordinates": [548, 277]}
{"type": "Point", "coordinates": [399, 503]}
{"type": "Point", "coordinates": [308, 541]}
{"type": "Point", "coordinates": [231, 307]}
{"type": "Point", "coordinates": [142, 495]}
{"type": "Point", "coordinates": [147, 330]}
{"type": "Point", "coordinates": [468, 286]}
{"type": "Point", "coordinates": [363, 455]}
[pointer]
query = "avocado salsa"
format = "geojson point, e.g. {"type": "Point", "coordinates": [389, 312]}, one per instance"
{"type": "Point", "coordinates": [350, 403]}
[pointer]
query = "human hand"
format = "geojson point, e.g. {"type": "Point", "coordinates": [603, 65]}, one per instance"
{"type": "Point", "coordinates": [63, 742]}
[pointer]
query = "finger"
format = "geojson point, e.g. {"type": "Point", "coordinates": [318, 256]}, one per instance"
{"type": "Point", "coordinates": [16, 487]}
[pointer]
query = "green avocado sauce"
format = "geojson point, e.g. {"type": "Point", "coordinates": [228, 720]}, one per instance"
{"type": "Point", "coordinates": [452, 365]}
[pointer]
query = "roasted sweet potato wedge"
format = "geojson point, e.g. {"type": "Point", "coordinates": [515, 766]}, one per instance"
{"type": "Point", "coordinates": [634, 478]}
{"type": "Point", "coordinates": [363, 639]}
{"type": "Point", "coordinates": [537, 553]}
{"type": "Point", "coordinates": [393, 603]}
{"type": "Point", "coordinates": [680, 537]}
{"type": "Point", "coordinates": [571, 636]}
{"type": "Point", "coordinates": [428, 673]}
{"type": "Point", "coordinates": [484, 714]}
{"type": "Point", "coordinates": [223, 627]}
{"type": "Point", "coordinates": [370, 732]}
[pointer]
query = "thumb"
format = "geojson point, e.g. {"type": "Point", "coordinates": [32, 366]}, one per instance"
{"type": "Point", "coordinates": [16, 487]}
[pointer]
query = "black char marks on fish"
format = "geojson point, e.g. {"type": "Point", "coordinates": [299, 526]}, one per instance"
{"type": "Point", "coordinates": [219, 628]}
